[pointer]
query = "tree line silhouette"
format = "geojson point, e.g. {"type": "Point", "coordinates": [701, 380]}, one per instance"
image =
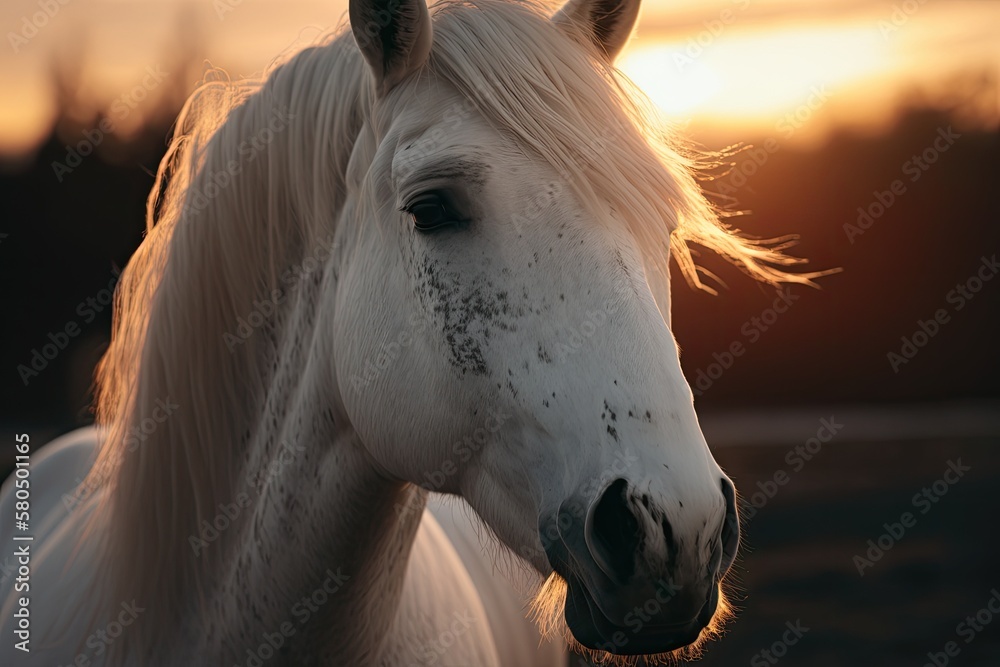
{"type": "Point", "coordinates": [908, 233]}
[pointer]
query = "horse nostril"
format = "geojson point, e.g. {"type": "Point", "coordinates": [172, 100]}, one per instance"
{"type": "Point", "coordinates": [614, 536]}
{"type": "Point", "coordinates": [730, 527]}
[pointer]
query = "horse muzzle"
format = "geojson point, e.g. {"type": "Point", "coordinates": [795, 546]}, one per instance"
{"type": "Point", "coordinates": [623, 596]}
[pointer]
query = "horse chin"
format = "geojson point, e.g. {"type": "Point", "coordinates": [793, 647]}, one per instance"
{"type": "Point", "coordinates": [594, 630]}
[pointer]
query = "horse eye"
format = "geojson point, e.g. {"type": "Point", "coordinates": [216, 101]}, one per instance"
{"type": "Point", "coordinates": [432, 211]}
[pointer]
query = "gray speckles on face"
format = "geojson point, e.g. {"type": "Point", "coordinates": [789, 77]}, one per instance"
{"type": "Point", "coordinates": [543, 355]}
{"type": "Point", "coordinates": [467, 312]}
{"type": "Point", "coordinates": [646, 417]}
{"type": "Point", "coordinates": [609, 416]}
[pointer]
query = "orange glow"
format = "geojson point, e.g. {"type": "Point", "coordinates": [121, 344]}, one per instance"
{"type": "Point", "coordinates": [816, 74]}
{"type": "Point", "coordinates": [733, 79]}
{"type": "Point", "coordinates": [755, 76]}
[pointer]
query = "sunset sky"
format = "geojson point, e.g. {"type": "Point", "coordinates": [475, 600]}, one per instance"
{"type": "Point", "coordinates": [725, 68]}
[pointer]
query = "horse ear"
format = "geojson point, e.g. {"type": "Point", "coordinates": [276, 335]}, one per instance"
{"type": "Point", "coordinates": [393, 35]}
{"type": "Point", "coordinates": [607, 23]}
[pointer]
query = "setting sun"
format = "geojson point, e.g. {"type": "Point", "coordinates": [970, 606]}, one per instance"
{"type": "Point", "coordinates": [721, 77]}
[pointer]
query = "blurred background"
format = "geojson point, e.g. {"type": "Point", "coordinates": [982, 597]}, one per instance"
{"type": "Point", "coordinates": [869, 128]}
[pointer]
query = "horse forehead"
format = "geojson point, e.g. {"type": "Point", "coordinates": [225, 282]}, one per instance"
{"type": "Point", "coordinates": [432, 151]}
{"type": "Point", "coordinates": [445, 125]}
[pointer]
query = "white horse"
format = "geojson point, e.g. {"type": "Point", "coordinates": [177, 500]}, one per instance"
{"type": "Point", "coordinates": [425, 256]}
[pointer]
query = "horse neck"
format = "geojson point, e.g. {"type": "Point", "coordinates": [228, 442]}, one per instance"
{"type": "Point", "coordinates": [322, 542]}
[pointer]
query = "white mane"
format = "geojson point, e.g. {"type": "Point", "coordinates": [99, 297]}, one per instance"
{"type": "Point", "coordinates": [234, 207]}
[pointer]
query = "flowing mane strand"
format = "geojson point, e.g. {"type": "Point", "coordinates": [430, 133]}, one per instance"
{"type": "Point", "coordinates": [250, 184]}
{"type": "Point", "coordinates": [253, 181]}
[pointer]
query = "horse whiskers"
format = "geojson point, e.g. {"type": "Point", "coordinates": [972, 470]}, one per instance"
{"type": "Point", "coordinates": [546, 610]}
